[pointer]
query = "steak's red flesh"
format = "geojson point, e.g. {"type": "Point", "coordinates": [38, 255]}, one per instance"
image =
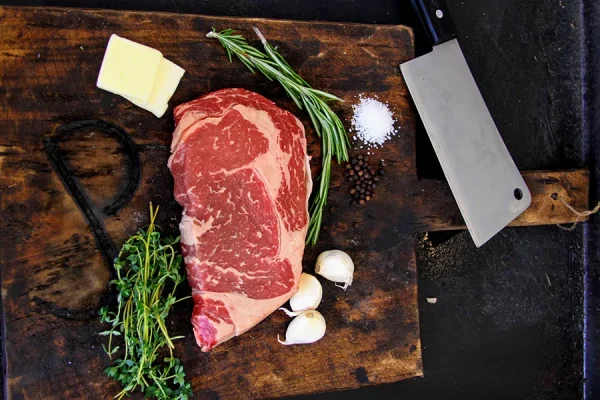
{"type": "Point", "coordinates": [242, 176]}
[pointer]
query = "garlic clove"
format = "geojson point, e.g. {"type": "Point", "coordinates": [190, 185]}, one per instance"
{"type": "Point", "coordinates": [308, 327]}
{"type": "Point", "coordinates": [336, 266]}
{"type": "Point", "coordinates": [309, 294]}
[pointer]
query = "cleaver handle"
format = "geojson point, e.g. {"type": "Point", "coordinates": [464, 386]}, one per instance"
{"type": "Point", "coordinates": [436, 19]}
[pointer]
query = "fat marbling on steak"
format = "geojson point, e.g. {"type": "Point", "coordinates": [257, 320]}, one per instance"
{"type": "Point", "coordinates": [242, 176]}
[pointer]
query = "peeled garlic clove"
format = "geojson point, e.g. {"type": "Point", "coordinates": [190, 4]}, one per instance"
{"type": "Point", "coordinates": [336, 266]}
{"type": "Point", "coordinates": [309, 294]}
{"type": "Point", "coordinates": [308, 327]}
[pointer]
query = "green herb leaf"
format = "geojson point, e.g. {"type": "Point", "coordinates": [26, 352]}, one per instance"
{"type": "Point", "coordinates": [148, 275]}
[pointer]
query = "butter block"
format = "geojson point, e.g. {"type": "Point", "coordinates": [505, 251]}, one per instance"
{"type": "Point", "coordinates": [167, 79]}
{"type": "Point", "coordinates": [129, 69]}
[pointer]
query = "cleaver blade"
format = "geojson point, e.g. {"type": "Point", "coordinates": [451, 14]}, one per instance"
{"type": "Point", "coordinates": [482, 175]}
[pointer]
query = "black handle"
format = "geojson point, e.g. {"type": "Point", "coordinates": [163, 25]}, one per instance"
{"type": "Point", "coordinates": [435, 17]}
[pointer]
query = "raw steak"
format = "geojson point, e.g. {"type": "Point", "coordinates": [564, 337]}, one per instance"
{"type": "Point", "coordinates": [242, 176]}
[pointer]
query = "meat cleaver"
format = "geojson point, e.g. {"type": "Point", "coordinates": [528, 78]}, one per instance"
{"type": "Point", "coordinates": [482, 175]}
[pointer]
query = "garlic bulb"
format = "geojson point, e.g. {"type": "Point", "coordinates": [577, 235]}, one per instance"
{"type": "Point", "coordinates": [336, 266]}
{"type": "Point", "coordinates": [308, 327]}
{"type": "Point", "coordinates": [309, 294]}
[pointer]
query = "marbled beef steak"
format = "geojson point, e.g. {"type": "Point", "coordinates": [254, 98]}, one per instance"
{"type": "Point", "coordinates": [242, 176]}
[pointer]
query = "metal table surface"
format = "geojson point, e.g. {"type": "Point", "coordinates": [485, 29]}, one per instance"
{"type": "Point", "coordinates": [517, 319]}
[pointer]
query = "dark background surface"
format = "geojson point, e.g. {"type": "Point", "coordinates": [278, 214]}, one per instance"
{"type": "Point", "coordinates": [510, 321]}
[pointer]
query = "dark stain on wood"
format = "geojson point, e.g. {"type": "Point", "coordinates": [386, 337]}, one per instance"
{"type": "Point", "coordinates": [548, 181]}
{"type": "Point", "coordinates": [63, 134]}
{"type": "Point", "coordinates": [80, 165]}
{"type": "Point", "coordinates": [361, 375]}
{"type": "Point", "coordinates": [66, 132]}
{"type": "Point", "coordinates": [207, 394]}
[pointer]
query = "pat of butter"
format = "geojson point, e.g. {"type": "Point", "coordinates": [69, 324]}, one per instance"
{"type": "Point", "coordinates": [167, 79]}
{"type": "Point", "coordinates": [129, 69]}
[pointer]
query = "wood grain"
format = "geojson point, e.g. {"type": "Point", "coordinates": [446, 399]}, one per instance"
{"type": "Point", "coordinates": [440, 212]}
{"type": "Point", "coordinates": [80, 165]}
{"type": "Point", "coordinates": [60, 230]}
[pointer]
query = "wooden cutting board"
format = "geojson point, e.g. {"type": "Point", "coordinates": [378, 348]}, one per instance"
{"type": "Point", "coordinates": [80, 165]}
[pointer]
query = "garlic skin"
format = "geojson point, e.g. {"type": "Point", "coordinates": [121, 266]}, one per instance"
{"type": "Point", "coordinates": [309, 294]}
{"type": "Point", "coordinates": [336, 266]}
{"type": "Point", "coordinates": [308, 327]}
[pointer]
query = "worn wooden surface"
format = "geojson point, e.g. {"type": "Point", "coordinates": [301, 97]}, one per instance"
{"type": "Point", "coordinates": [111, 156]}
{"type": "Point", "coordinates": [439, 211]}
{"type": "Point", "coordinates": [58, 235]}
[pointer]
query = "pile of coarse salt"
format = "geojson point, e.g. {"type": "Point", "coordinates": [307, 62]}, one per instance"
{"type": "Point", "coordinates": [372, 122]}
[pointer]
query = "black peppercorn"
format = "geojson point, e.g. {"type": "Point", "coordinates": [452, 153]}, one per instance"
{"type": "Point", "coordinates": [362, 178]}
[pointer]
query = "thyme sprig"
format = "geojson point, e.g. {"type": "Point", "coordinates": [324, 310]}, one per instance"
{"type": "Point", "coordinates": [148, 273]}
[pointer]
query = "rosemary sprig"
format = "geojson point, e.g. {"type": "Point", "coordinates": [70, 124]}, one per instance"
{"type": "Point", "coordinates": [335, 142]}
{"type": "Point", "coordinates": [146, 266]}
